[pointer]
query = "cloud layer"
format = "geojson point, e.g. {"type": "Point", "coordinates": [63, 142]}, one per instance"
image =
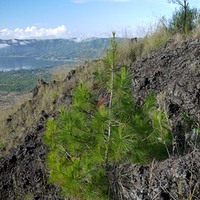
{"type": "Point", "coordinates": [33, 32]}
{"type": "Point", "coordinates": [61, 32]}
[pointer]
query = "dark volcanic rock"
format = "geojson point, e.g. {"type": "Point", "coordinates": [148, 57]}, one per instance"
{"type": "Point", "coordinates": [70, 75]}
{"type": "Point", "coordinates": [35, 90]}
{"type": "Point", "coordinates": [173, 73]}
{"type": "Point", "coordinates": [23, 171]}
{"type": "Point", "coordinates": [9, 119]}
{"type": "Point", "coordinates": [159, 181]}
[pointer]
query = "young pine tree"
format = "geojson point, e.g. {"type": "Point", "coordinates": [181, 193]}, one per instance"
{"type": "Point", "coordinates": [87, 138]}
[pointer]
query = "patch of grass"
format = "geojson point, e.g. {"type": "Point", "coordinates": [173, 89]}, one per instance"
{"type": "Point", "coordinates": [126, 52]}
{"type": "Point", "coordinates": [155, 39]}
{"type": "Point", "coordinates": [28, 196]}
{"type": "Point", "coordinates": [153, 36]}
{"type": "Point", "coordinates": [59, 72]}
{"type": "Point", "coordinates": [87, 73]}
{"type": "Point", "coordinates": [196, 32]}
{"type": "Point", "coordinates": [26, 111]}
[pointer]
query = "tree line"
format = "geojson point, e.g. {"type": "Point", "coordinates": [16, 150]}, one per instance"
{"type": "Point", "coordinates": [22, 80]}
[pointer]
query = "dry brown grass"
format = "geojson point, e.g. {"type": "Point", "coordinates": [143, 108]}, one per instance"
{"type": "Point", "coordinates": [26, 113]}
{"type": "Point", "coordinates": [87, 72]}
{"type": "Point", "coordinates": [196, 33]}
{"type": "Point", "coordinates": [59, 72]}
{"type": "Point", "coordinates": [126, 51]}
{"type": "Point", "coordinates": [152, 37]}
{"type": "Point", "coordinates": [9, 101]}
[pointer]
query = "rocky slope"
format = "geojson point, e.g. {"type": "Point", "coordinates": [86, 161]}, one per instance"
{"type": "Point", "coordinates": [173, 72]}
{"type": "Point", "coordinates": [159, 180]}
{"type": "Point", "coordinates": [23, 174]}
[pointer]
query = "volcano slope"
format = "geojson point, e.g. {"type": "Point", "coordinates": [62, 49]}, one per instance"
{"type": "Point", "coordinates": [173, 73]}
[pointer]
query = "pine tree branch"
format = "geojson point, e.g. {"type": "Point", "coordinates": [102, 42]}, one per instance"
{"type": "Point", "coordinates": [68, 155]}
{"type": "Point", "coordinates": [149, 135]}
{"type": "Point", "coordinates": [78, 139]}
{"type": "Point", "coordinates": [115, 103]}
{"type": "Point", "coordinates": [85, 111]}
{"type": "Point", "coordinates": [102, 78]}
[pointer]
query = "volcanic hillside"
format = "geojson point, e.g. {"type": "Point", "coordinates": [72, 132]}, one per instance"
{"type": "Point", "coordinates": [172, 72]}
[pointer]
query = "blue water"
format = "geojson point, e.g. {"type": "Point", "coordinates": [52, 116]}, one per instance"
{"type": "Point", "coordinates": [15, 63]}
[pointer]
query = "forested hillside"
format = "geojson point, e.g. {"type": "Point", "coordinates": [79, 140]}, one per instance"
{"type": "Point", "coordinates": [22, 80]}
{"type": "Point", "coordinates": [55, 48]}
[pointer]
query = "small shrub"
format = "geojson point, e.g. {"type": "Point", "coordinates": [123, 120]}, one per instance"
{"type": "Point", "coordinates": [184, 26]}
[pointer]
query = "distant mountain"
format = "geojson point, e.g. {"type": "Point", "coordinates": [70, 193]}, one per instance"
{"type": "Point", "coordinates": [55, 48]}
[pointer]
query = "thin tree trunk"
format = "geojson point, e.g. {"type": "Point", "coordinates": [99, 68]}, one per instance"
{"type": "Point", "coordinates": [110, 108]}
{"type": "Point", "coordinates": [185, 15]}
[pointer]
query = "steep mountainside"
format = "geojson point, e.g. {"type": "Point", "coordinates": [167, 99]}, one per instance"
{"type": "Point", "coordinates": [173, 72]}
{"type": "Point", "coordinates": [54, 48]}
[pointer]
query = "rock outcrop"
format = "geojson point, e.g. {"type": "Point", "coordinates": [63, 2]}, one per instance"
{"type": "Point", "coordinates": [173, 73]}
{"type": "Point", "coordinates": [23, 172]}
{"type": "Point", "coordinates": [174, 178]}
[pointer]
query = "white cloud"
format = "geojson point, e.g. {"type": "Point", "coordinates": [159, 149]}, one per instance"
{"type": "Point", "coordinates": [78, 39]}
{"type": "Point", "coordinates": [60, 32]}
{"type": "Point", "coordinates": [3, 45]}
{"type": "Point", "coordinates": [35, 33]}
{"type": "Point", "coordinates": [24, 43]}
{"type": "Point", "coordinates": [14, 41]}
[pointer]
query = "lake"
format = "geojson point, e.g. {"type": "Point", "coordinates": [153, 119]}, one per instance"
{"type": "Point", "coordinates": [15, 63]}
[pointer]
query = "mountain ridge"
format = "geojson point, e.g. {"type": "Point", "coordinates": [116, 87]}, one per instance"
{"type": "Point", "coordinates": [46, 49]}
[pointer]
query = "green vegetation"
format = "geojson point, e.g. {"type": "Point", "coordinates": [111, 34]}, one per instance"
{"type": "Point", "coordinates": [184, 24]}
{"type": "Point", "coordinates": [192, 130]}
{"type": "Point", "coordinates": [154, 36]}
{"type": "Point", "coordinates": [55, 48]}
{"type": "Point", "coordinates": [22, 80]}
{"type": "Point", "coordinates": [89, 137]}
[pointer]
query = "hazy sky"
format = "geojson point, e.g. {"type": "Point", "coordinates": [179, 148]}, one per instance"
{"type": "Point", "coordinates": [26, 19]}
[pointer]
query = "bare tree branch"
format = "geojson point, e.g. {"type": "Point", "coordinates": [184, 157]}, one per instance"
{"type": "Point", "coordinates": [184, 4]}
{"type": "Point", "coordinates": [176, 2]}
{"type": "Point", "coordinates": [179, 2]}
